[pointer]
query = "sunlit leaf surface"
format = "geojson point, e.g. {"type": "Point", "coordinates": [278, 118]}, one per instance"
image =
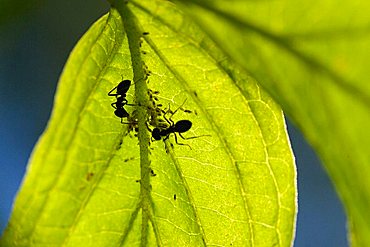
{"type": "Point", "coordinates": [92, 182]}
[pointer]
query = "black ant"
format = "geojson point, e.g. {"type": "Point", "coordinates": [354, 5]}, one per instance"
{"type": "Point", "coordinates": [120, 95]}
{"type": "Point", "coordinates": [179, 127]}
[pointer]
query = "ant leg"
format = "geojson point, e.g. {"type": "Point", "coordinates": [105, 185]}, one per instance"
{"type": "Point", "coordinates": [147, 126]}
{"type": "Point", "coordinates": [112, 94]}
{"type": "Point", "coordinates": [114, 105]}
{"type": "Point", "coordinates": [125, 102]}
{"type": "Point", "coordinates": [192, 137]}
{"type": "Point", "coordinates": [151, 131]}
{"type": "Point", "coordinates": [168, 120]}
{"type": "Point", "coordinates": [127, 122]}
{"type": "Point", "coordinates": [166, 137]}
{"type": "Point", "coordinates": [178, 143]}
{"type": "Point", "coordinates": [133, 122]}
{"type": "Point", "coordinates": [139, 79]}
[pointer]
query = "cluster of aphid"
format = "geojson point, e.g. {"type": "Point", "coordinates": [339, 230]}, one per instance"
{"type": "Point", "coordinates": [160, 119]}
{"type": "Point", "coordinates": [162, 129]}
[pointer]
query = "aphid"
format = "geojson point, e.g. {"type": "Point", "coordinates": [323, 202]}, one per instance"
{"type": "Point", "coordinates": [132, 122]}
{"type": "Point", "coordinates": [147, 72]}
{"type": "Point", "coordinates": [154, 110]}
{"type": "Point", "coordinates": [166, 149]}
{"type": "Point", "coordinates": [174, 197]}
{"type": "Point", "coordinates": [152, 173]}
{"type": "Point", "coordinates": [128, 159]}
{"type": "Point", "coordinates": [152, 95]}
{"type": "Point", "coordinates": [119, 144]}
{"type": "Point", "coordinates": [145, 33]}
{"type": "Point", "coordinates": [89, 176]}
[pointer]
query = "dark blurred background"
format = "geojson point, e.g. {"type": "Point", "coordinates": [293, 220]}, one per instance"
{"type": "Point", "coordinates": [35, 41]}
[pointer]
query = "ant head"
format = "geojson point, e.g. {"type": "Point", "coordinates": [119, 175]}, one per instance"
{"type": "Point", "coordinates": [156, 134]}
{"type": "Point", "coordinates": [183, 126]}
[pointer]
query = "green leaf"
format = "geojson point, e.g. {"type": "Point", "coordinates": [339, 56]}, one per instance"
{"type": "Point", "coordinates": [313, 58]}
{"type": "Point", "coordinates": [92, 182]}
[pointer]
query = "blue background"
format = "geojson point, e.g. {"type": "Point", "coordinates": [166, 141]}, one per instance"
{"type": "Point", "coordinates": [33, 50]}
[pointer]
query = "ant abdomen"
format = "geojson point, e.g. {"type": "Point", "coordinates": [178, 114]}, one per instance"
{"type": "Point", "coordinates": [182, 126]}
{"type": "Point", "coordinates": [123, 87]}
